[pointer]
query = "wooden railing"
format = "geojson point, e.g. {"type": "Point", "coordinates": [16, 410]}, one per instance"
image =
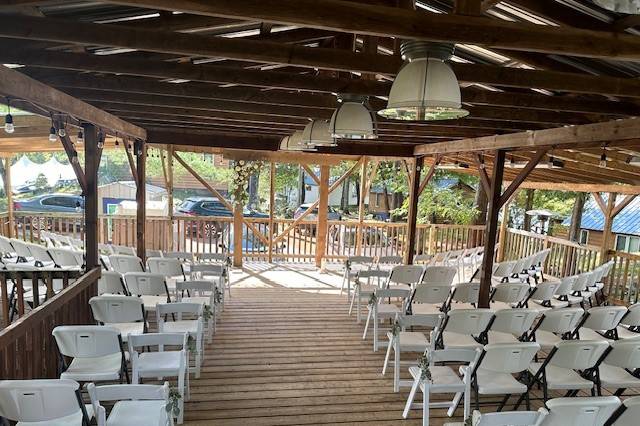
{"type": "Point", "coordinates": [27, 348]}
{"type": "Point", "coordinates": [624, 279]}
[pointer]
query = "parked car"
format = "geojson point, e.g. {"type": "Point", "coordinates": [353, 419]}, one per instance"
{"type": "Point", "coordinates": [50, 203]}
{"type": "Point", "coordinates": [332, 214]}
{"type": "Point", "coordinates": [209, 206]}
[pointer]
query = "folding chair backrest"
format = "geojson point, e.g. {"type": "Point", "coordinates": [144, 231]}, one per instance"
{"type": "Point", "coordinates": [21, 248]}
{"type": "Point", "coordinates": [39, 253]}
{"type": "Point", "coordinates": [87, 341]}
{"type": "Point", "coordinates": [429, 321]}
{"type": "Point", "coordinates": [455, 255]}
{"type": "Point", "coordinates": [566, 285]}
{"type": "Point", "coordinates": [128, 392]}
{"type": "Point", "coordinates": [625, 354]}
{"type": "Point", "coordinates": [406, 274]}
{"type": "Point", "coordinates": [125, 263]}
{"type": "Point", "coordinates": [111, 282]}
{"type": "Point", "coordinates": [197, 286]}
{"type": "Point", "coordinates": [105, 249]}
{"type": "Point", "coordinates": [186, 256]}
{"type": "Point", "coordinates": [509, 357]}
{"type": "Point", "coordinates": [5, 245]}
{"type": "Point", "coordinates": [389, 260]}
{"type": "Point", "coordinates": [454, 355]}
{"type": "Point", "coordinates": [545, 290]}
{"type": "Point", "coordinates": [178, 308]}
{"type": "Point", "coordinates": [504, 269]}
{"type": "Point", "coordinates": [604, 317]}
{"type": "Point", "coordinates": [145, 284]}
{"type": "Point", "coordinates": [561, 320]}
{"type": "Point", "coordinates": [632, 318]}
{"type": "Point", "coordinates": [468, 321]}
{"type": "Point", "coordinates": [631, 413]}
{"type": "Point", "coordinates": [578, 354]}
{"type": "Point", "coordinates": [214, 257]}
{"type": "Point", "coordinates": [580, 284]}
{"type": "Point", "coordinates": [580, 411]}
{"type": "Point", "coordinates": [159, 340]}
{"type": "Point", "coordinates": [514, 321]}
{"type": "Point", "coordinates": [529, 261]}
{"type": "Point", "coordinates": [167, 267]}
{"type": "Point", "coordinates": [66, 258]}
{"type": "Point", "coordinates": [510, 292]}
{"type": "Point", "coordinates": [208, 269]}
{"type": "Point", "coordinates": [41, 400]}
{"type": "Point", "coordinates": [439, 274]}
{"type": "Point", "coordinates": [422, 259]}
{"type": "Point", "coordinates": [123, 250]}
{"type": "Point", "coordinates": [117, 308]}
{"type": "Point", "coordinates": [366, 260]}
{"type": "Point", "coordinates": [511, 418]}
{"type": "Point", "coordinates": [431, 293]}
{"type": "Point", "coordinates": [466, 292]}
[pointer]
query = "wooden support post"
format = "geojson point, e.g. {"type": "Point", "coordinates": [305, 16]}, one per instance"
{"type": "Point", "coordinates": [9, 194]}
{"type": "Point", "coordinates": [272, 202]}
{"type": "Point", "coordinates": [414, 195]}
{"type": "Point", "coordinates": [91, 154]}
{"type": "Point", "coordinates": [237, 235]}
{"type": "Point", "coordinates": [607, 235]}
{"type": "Point", "coordinates": [170, 181]}
{"type": "Point", "coordinates": [141, 199]}
{"type": "Point", "coordinates": [323, 209]}
{"type": "Point", "coordinates": [491, 230]}
{"type": "Point", "coordinates": [361, 200]}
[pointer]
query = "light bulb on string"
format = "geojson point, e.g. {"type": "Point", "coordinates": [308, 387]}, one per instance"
{"type": "Point", "coordinates": [100, 140]}
{"type": "Point", "coordinates": [62, 132]}
{"type": "Point", "coordinates": [52, 135]}
{"type": "Point", "coordinates": [80, 138]}
{"type": "Point", "coordinates": [8, 120]}
{"type": "Point", "coordinates": [74, 158]}
{"type": "Point", "coordinates": [603, 159]}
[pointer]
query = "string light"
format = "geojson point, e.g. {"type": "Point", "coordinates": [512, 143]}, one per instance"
{"type": "Point", "coordinates": [80, 138]}
{"type": "Point", "coordinates": [8, 120]}
{"type": "Point", "coordinates": [101, 140]}
{"type": "Point", "coordinates": [52, 134]}
{"type": "Point", "coordinates": [62, 132]}
{"type": "Point", "coordinates": [603, 158]}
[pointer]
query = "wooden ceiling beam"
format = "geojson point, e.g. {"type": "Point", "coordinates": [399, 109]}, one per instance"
{"type": "Point", "coordinates": [367, 19]}
{"type": "Point", "coordinates": [572, 187]}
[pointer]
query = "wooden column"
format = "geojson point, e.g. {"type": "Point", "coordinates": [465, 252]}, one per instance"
{"type": "Point", "coordinates": [237, 235]}
{"type": "Point", "coordinates": [361, 201]}
{"type": "Point", "coordinates": [9, 194]}
{"type": "Point", "coordinates": [272, 202]}
{"type": "Point", "coordinates": [91, 164]}
{"type": "Point", "coordinates": [140, 150]}
{"type": "Point", "coordinates": [323, 208]}
{"type": "Point", "coordinates": [491, 230]}
{"type": "Point", "coordinates": [607, 235]}
{"type": "Point", "coordinates": [170, 239]}
{"type": "Point", "coordinates": [414, 195]}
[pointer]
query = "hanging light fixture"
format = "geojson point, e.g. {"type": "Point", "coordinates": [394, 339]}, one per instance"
{"type": "Point", "coordinates": [317, 133]}
{"type": "Point", "coordinates": [8, 119]}
{"type": "Point", "coordinates": [352, 119]}
{"type": "Point", "coordinates": [426, 88]}
{"type": "Point", "coordinates": [293, 142]}
{"type": "Point", "coordinates": [631, 7]}
{"type": "Point", "coordinates": [101, 140]}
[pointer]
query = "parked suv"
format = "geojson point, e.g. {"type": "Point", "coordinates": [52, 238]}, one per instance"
{"type": "Point", "coordinates": [208, 206]}
{"type": "Point", "coordinates": [53, 203]}
{"type": "Point", "coordinates": [332, 214]}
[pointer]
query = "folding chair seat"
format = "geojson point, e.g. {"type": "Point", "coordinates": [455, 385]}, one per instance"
{"type": "Point", "coordinates": [464, 296]}
{"type": "Point", "coordinates": [444, 379]}
{"type": "Point", "coordinates": [171, 359]}
{"type": "Point", "coordinates": [123, 250]}
{"type": "Point", "coordinates": [139, 405]}
{"type": "Point", "coordinates": [627, 414]}
{"type": "Point", "coordinates": [571, 366]}
{"type": "Point", "coordinates": [465, 328]}
{"type": "Point", "coordinates": [582, 411]}
{"type": "Point", "coordinates": [629, 327]}
{"type": "Point", "coordinates": [511, 325]}
{"type": "Point", "coordinates": [353, 265]}
{"type": "Point", "coordinates": [202, 292]}
{"type": "Point", "coordinates": [511, 418]}
{"type": "Point", "coordinates": [379, 311]}
{"type": "Point", "coordinates": [617, 368]}
{"type": "Point", "coordinates": [124, 263]}
{"type": "Point", "coordinates": [43, 402]}
{"type": "Point", "coordinates": [401, 340]}
{"type": "Point", "coordinates": [601, 323]}
{"type": "Point", "coordinates": [125, 313]}
{"type": "Point", "coordinates": [494, 374]}
{"type": "Point", "coordinates": [97, 353]}
{"type": "Point", "coordinates": [556, 325]}
{"type": "Point", "coordinates": [192, 327]}
{"type": "Point", "coordinates": [151, 288]}
{"type": "Point", "coordinates": [375, 279]}
{"type": "Point", "coordinates": [111, 282]}
{"type": "Point", "coordinates": [171, 269]}
{"type": "Point", "coordinates": [541, 297]}
{"type": "Point", "coordinates": [509, 295]}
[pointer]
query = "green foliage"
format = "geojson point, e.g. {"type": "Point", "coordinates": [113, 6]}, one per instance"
{"type": "Point", "coordinates": [242, 171]}
{"type": "Point", "coordinates": [173, 406]}
{"type": "Point", "coordinates": [442, 205]}
{"type": "Point", "coordinates": [41, 183]}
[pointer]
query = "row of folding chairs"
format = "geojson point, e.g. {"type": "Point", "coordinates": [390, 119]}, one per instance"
{"type": "Point", "coordinates": [464, 259]}
{"type": "Point", "coordinates": [52, 239]}
{"type": "Point", "coordinates": [522, 269]}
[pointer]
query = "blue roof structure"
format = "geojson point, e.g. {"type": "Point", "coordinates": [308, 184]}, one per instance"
{"type": "Point", "coordinates": [626, 222]}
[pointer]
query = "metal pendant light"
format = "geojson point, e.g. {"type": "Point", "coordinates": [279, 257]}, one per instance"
{"type": "Point", "coordinates": [294, 143]}
{"type": "Point", "coordinates": [426, 87]}
{"type": "Point", "coordinates": [317, 133]}
{"type": "Point", "coordinates": [631, 7]}
{"type": "Point", "coordinates": [352, 119]}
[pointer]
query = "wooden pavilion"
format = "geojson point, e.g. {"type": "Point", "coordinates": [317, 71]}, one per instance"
{"type": "Point", "coordinates": [551, 86]}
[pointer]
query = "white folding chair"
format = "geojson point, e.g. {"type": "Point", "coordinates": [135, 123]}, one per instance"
{"type": "Point", "coordinates": [503, 271]}
{"type": "Point", "coordinates": [43, 402]}
{"type": "Point", "coordinates": [579, 292]}
{"type": "Point", "coordinates": [401, 340]}
{"type": "Point", "coordinates": [441, 275]}
{"type": "Point", "coordinates": [217, 273]}
{"type": "Point", "coordinates": [601, 322]}
{"type": "Point", "coordinates": [353, 265]}
{"type": "Point", "coordinates": [111, 282]}
{"type": "Point", "coordinates": [41, 256]}
{"type": "Point", "coordinates": [192, 327]}
{"type": "Point", "coordinates": [629, 327]}
{"type": "Point", "coordinates": [429, 299]}
{"type": "Point", "coordinates": [627, 414]}
{"type": "Point", "coordinates": [171, 269]}
{"type": "Point", "coordinates": [124, 263]}
{"type": "Point", "coordinates": [125, 313]}
{"type": "Point", "coordinates": [170, 360]}
{"type": "Point", "coordinates": [405, 276]}
{"type": "Point", "coordinates": [379, 311]}
{"type": "Point", "coordinates": [105, 249]}
{"type": "Point", "coordinates": [151, 288]}
{"type": "Point", "coordinates": [503, 418]}
{"type": "Point", "coordinates": [123, 250]}
{"type": "Point", "coordinates": [364, 291]}
{"type": "Point", "coordinates": [7, 250]}
{"type": "Point", "coordinates": [388, 262]}
{"type": "Point", "coordinates": [444, 379]}
{"type": "Point", "coordinates": [134, 404]}
{"type": "Point", "coordinates": [202, 292]}
{"type": "Point", "coordinates": [583, 411]}
{"type": "Point", "coordinates": [464, 296]}
{"type": "Point", "coordinates": [541, 297]}
{"type": "Point", "coordinates": [561, 297]}
{"type": "Point", "coordinates": [460, 327]}
{"type": "Point", "coordinates": [511, 325]}
{"type": "Point", "coordinates": [66, 259]}
{"type": "Point", "coordinates": [567, 365]}
{"type": "Point", "coordinates": [556, 325]}
{"type": "Point", "coordinates": [97, 353]}
{"type": "Point", "coordinates": [615, 370]}
{"type": "Point", "coordinates": [153, 253]}
{"type": "Point", "coordinates": [422, 259]}
{"type": "Point", "coordinates": [214, 258]}
{"type": "Point", "coordinates": [509, 295]}
{"type": "Point", "coordinates": [22, 251]}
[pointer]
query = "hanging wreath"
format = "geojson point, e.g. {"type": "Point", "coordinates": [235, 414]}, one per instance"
{"type": "Point", "coordinates": [242, 171]}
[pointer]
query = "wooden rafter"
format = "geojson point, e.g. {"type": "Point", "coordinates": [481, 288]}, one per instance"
{"type": "Point", "coordinates": [311, 174]}
{"type": "Point", "coordinates": [600, 201]}
{"type": "Point", "coordinates": [72, 156]}
{"type": "Point", "coordinates": [581, 187]}
{"type": "Point", "coordinates": [430, 174]}
{"type": "Point", "coordinates": [528, 168]}
{"type": "Point", "coordinates": [482, 173]}
{"type": "Point", "coordinates": [624, 203]}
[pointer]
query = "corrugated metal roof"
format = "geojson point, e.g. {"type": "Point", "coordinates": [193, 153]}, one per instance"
{"type": "Point", "coordinates": [626, 222]}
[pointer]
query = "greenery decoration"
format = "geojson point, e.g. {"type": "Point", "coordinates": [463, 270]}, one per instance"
{"type": "Point", "coordinates": [173, 406]}
{"type": "Point", "coordinates": [242, 171]}
{"type": "Point", "coordinates": [425, 371]}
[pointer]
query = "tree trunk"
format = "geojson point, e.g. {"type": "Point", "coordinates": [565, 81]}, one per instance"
{"type": "Point", "coordinates": [576, 217]}
{"type": "Point", "coordinates": [385, 200]}
{"type": "Point", "coordinates": [528, 205]}
{"type": "Point", "coordinates": [301, 187]}
{"type": "Point", "coordinates": [344, 198]}
{"type": "Point", "coordinates": [482, 201]}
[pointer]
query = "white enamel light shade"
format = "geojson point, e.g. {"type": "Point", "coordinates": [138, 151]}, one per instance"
{"type": "Point", "coordinates": [352, 120]}
{"type": "Point", "coordinates": [620, 6]}
{"type": "Point", "coordinates": [294, 143]}
{"type": "Point", "coordinates": [425, 89]}
{"type": "Point", "coordinates": [317, 133]}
